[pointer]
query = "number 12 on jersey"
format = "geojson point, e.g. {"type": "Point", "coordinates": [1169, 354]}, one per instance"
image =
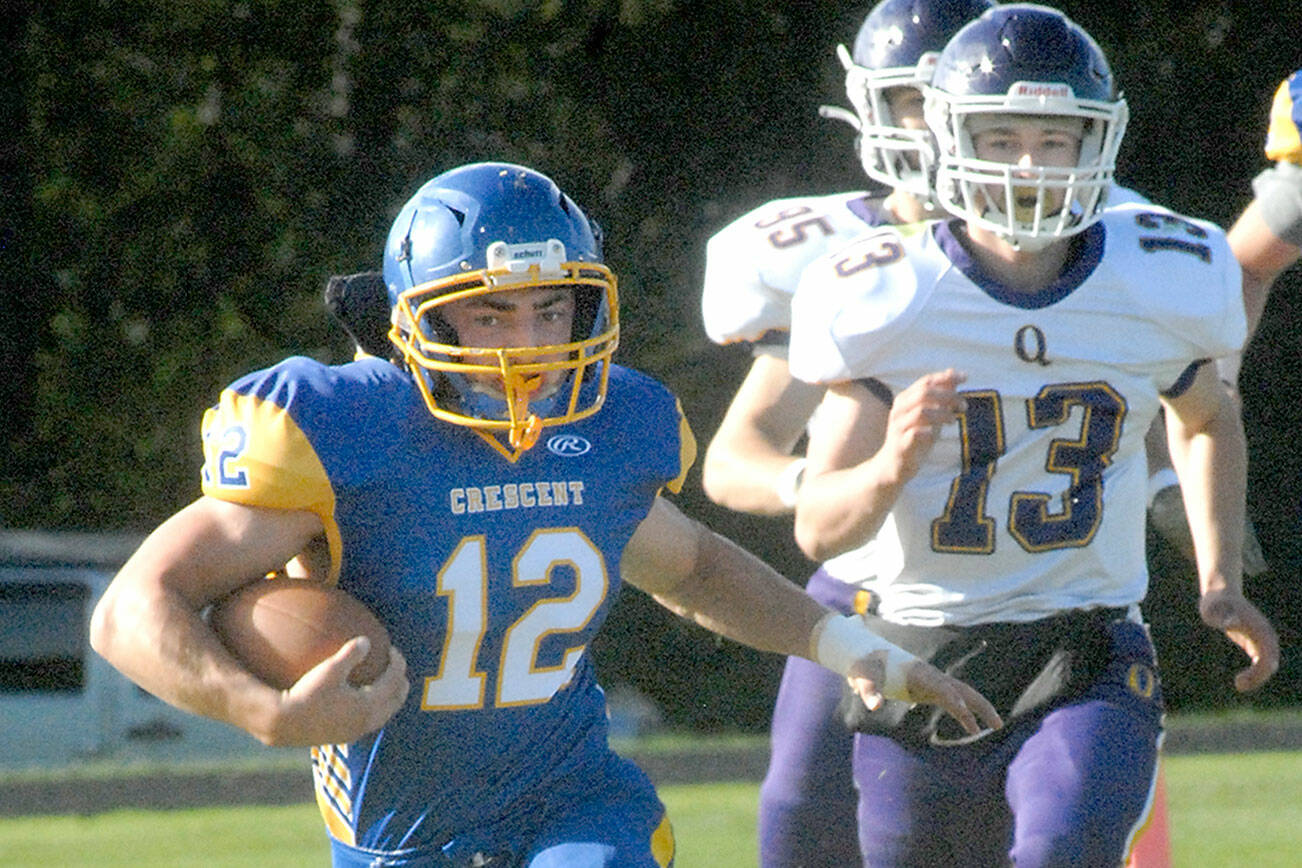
{"type": "Point", "coordinates": [460, 682]}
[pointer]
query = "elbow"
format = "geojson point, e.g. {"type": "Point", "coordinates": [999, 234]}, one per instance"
{"type": "Point", "coordinates": [712, 481]}
{"type": "Point", "coordinates": [101, 626]}
{"type": "Point", "coordinates": [719, 480]}
{"type": "Point", "coordinates": [811, 541]}
{"type": "Point", "coordinates": [734, 482]}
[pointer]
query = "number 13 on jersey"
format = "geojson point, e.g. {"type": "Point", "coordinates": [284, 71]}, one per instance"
{"type": "Point", "coordinates": [965, 527]}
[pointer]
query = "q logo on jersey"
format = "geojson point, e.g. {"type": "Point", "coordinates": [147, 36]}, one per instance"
{"type": "Point", "coordinates": [568, 445]}
{"type": "Point", "coordinates": [1030, 345]}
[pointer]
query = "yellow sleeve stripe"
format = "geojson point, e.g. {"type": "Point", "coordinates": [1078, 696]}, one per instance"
{"type": "Point", "coordinates": [686, 451]}
{"type": "Point", "coordinates": [332, 802]}
{"type": "Point", "coordinates": [255, 454]}
{"type": "Point", "coordinates": [662, 843]}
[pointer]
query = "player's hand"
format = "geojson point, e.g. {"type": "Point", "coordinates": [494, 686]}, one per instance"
{"type": "Point", "coordinates": [927, 685]}
{"type": "Point", "coordinates": [1282, 136]}
{"type": "Point", "coordinates": [322, 707]}
{"type": "Point", "coordinates": [1245, 625]}
{"type": "Point", "coordinates": [917, 415]}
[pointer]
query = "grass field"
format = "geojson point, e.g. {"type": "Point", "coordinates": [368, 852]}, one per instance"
{"type": "Point", "coordinates": [1226, 811]}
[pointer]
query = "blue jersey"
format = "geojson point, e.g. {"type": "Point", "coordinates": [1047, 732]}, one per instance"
{"type": "Point", "coordinates": [491, 576]}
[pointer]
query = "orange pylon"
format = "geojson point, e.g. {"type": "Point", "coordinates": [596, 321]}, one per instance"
{"type": "Point", "coordinates": [1152, 849]}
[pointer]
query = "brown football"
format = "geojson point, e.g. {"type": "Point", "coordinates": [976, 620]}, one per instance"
{"type": "Point", "coordinates": [281, 628]}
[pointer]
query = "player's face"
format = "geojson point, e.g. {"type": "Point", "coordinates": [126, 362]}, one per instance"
{"type": "Point", "coordinates": [538, 317]}
{"type": "Point", "coordinates": [905, 105]}
{"type": "Point", "coordinates": [1028, 140]}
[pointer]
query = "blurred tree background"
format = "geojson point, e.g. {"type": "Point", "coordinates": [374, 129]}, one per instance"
{"type": "Point", "coordinates": [179, 178]}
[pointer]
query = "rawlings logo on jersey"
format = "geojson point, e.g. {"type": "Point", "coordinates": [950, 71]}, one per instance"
{"type": "Point", "coordinates": [568, 445]}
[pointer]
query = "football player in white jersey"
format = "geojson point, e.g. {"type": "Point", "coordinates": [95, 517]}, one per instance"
{"type": "Point", "coordinates": [807, 800]}
{"type": "Point", "coordinates": [989, 381]}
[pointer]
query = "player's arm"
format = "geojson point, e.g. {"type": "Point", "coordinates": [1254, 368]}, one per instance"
{"type": "Point", "coordinates": [710, 580]}
{"type": "Point", "coordinates": [748, 465]}
{"type": "Point", "coordinates": [1267, 237]}
{"type": "Point", "coordinates": [861, 453]}
{"type": "Point", "coordinates": [148, 624]}
{"type": "Point", "coordinates": [1209, 452]}
{"type": "Point", "coordinates": [1166, 505]}
{"type": "Point", "coordinates": [1260, 247]}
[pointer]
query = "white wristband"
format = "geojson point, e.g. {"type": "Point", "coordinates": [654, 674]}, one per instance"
{"type": "Point", "coordinates": [787, 484]}
{"type": "Point", "coordinates": [839, 641]}
{"type": "Point", "coordinates": [1160, 480]}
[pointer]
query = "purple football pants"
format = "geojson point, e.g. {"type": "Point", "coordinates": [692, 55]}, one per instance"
{"type": "Point", "coordinates": [1067, 788]}
{"type": "Point", "coordinates": [807, 801]}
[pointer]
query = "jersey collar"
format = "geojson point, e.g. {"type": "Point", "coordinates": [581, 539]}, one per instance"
{"type": "Point", "coordinates": [1086, 252]}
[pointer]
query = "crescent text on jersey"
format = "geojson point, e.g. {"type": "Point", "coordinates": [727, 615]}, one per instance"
{"type": "Point", "coordinates": [568, 445]}
{"type": "Point", "coordinates": [515, 495]}
{"type": "Point", "coordinates": [1030, 345]}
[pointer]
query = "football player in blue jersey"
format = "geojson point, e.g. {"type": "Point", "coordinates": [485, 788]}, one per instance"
{"type": "Point", "coordinates": [1267, 237]}
{"type": "Point", "coordinates": [486, 496]}
{"type": "Point", "coordinates": [807, 799]}
{"type": "Point", "coordinates": [990, 378]}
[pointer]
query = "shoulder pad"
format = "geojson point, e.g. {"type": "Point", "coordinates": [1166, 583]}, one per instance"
{"type": "Point", "coordinates": [866, 288]}
{"type": "Point", "coordinates": [753, 264]}
{"type": "Point", "coordinates": [1196, 286]}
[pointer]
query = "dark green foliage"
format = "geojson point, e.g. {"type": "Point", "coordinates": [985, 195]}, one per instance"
{"type": "Point", "coordinates": [178, 179]}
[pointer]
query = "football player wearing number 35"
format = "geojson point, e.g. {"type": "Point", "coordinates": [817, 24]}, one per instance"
{"type": "Point", "coordinates": [486, 495]}
{"type": "Point", "coordinates": [990, 379]}
{"type": "Point", "coordinates": [807, 799]}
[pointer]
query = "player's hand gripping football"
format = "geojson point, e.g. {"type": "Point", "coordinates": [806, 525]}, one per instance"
{"type": "Point", "coordinates": [322, 707]}
{"type": "Point", "coordinates": [1245, 625]}
{"type": "Point", "coordinates": [917, 415]}
{"type": "Point", "coordinates": [927, 685]}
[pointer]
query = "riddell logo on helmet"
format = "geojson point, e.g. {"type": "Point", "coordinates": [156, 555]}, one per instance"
{"type": "Point", "coordinates": [1024, 88]}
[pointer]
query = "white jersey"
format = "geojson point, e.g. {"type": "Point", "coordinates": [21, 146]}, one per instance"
{"type": "Point", "coordinates": [753, 264]}
{"type": "Point", "coordinates": [1034, 502]}
{"type": "Point", "coordinates": [752, 267]}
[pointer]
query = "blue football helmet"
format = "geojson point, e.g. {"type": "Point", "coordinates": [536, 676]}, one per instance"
{"type": "Point", "coordinates": [1024, 59]}
{"type": "Point", "coordinates": [897, 46]}
{"type": "Point", "coordinates": [490, 228]}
